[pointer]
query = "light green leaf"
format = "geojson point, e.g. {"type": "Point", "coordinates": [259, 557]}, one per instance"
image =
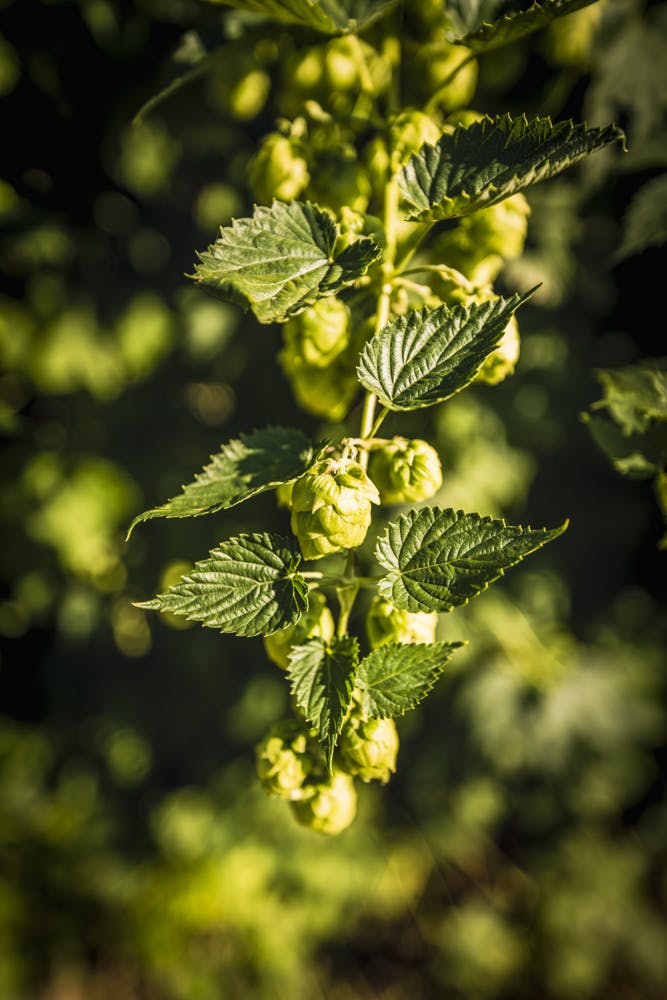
{"type": "Point", "coordinates": [439, 559]}
{"type": "Point", "coordinates": [635, 395]}
{"type": "Point", "coordinates": [429, 354]}
{"type": "Point", "coordinates": [645, 221]}
{"type": "Point", "coordinates": [491, 159]}
{"type": "Point", "coordinates": [248, 586]}
{"type": "Point", "coordinates": [242, 468]}
{"type": "Point", "coordinates": [329, 16]}
{"type": "Point", "coordinates": [397, 676]}
{"type": "Point", "coordinates": [487, 24]}
{"type": "Point", "coordinates": [282, 260]}
{"type": "Point", "coordinates": [322, 679]}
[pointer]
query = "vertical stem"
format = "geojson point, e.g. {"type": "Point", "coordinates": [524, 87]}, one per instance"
{"type": "Point", "coordinates": [391, 194]}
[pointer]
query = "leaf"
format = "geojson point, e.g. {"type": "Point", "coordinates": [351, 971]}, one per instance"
{"type": "Point", "coordinates": [430, 354]}
{"type": "Point", "coordinates": [638, 456]}
{"type": "Point", "coordinates": [282, 260]}
{"type": "Point", "coordinates": [247, 586]}
{"type": "Point", "coordinates": [645, 221]}
{"type": "Point", "coordinates": [331, 17]}
{"type": "Point", "coordinates": [491, 159]}
{"type": "Point", "coordinates": [439, 559]}
{"type": "Point", "coordinates": [636, 394]}
{"type": "Point", "coordinates": [242, 468]}
{"type": "Point", "coordinates": [488, 24]}
{"type": "Point", "coordinates": [322, 679]}
{"type": "Point", "coordinates": [397, 676]}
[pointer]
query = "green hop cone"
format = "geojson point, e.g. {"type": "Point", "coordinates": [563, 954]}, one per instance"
{"type": "Point", "coordinates": [316, 621]}
{"type": "Point", "coordinates": [277, 171]}
{"type": "Point", "coordinates": [324, 392]}
{"type": "Point", "coordinates": [368, 748]}
{"type": "Point", "coordinates": [284, 494]}
{"type": "Point", "coordinates": [442, 74]}
{"type": "Point", "coordinates": [386, 623]}
{"type": "Point", "coordinates": [339, 182]}
{"type": "Point", "coordinates": [285, 760]}
{"type": "Point", "coordinates": [408, 132]}
{"type": "Point", "coordinates": [317, 336]}
{"type": "Point", "coordinates": [502, 362]}
{"type": "Point", "coordinates": [331, 806]}
{"type": "Point", "coordinates": [484, 240]}
{"type": "Point", "coordinates": [331, 507]}
{"type": "Point", "coordinates": [406, 471]}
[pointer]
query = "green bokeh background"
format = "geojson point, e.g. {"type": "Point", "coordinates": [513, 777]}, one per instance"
{"type": "Point", "coordinates": [519, 852]}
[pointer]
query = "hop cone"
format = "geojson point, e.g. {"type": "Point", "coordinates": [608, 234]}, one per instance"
{"type": "Point", "coordinates": [368, 748]}
{"type": "Point", "coordinates": [331, 507]}
{"type": "Point", "coordinates": [331, 807]}
{"type": "Point", "coordinates": [316, 621]}
{"type": "Point", "coordinates": [386, 623]}
{"type": "Point", "coordinates": [406, 471]}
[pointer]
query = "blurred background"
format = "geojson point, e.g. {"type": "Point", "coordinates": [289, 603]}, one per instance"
{"type": "Point", "coordinates": [520, 850]}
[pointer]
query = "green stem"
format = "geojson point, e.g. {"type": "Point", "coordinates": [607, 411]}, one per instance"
{"type": "Point", "coordinates": [432, 103]}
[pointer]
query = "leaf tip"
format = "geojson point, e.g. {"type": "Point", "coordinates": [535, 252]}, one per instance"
{"type": "Point", "coordinates": [153, 605]}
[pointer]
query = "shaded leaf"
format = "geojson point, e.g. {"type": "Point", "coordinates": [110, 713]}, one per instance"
{"type": "Point", "coordinates": [487, 24]}
{"type": "Point", "coordinates": [645, 221]}
{"type": "Point", "coordinates": [491, 159]}
{"type": "Point", "coordinates": [397, 676]}
{"type": "Point", "coordinates": [322, 678]}
{"type": "Point", "coordinates": [242, 468]}
{"type": "Point", "coordinates": [428, 355]}
{"type": "Point", "coordinates": [247, 586]}
{"type": "Point", "coordinates": [282, 260]}
{"type": "Point", "coordinates": [329, 16]}
{"type": "Point", "coordinates": [439, 559]}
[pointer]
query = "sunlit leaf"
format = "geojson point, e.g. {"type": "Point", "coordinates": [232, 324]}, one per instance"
{"type": "Point", "coordinates": [242, 468]}
{"type": "Point", "coordinates": [322, 679]}
{"type": "Point", "coordinates": [428, 355]}
{"type": "Point", "coordinates": [249, 585]}
{"type": "Point", "coordinates": [282, 260]}
{"type": "Point", "coordinates": [491, 159]}
{"type": "Point", "coordinates": [487, 24]}
{"type": "Point", "coordinates": [397, 676]}
{"type": "Point", "coordinates": [332, 17]}
{"type": "Point", "coordinates": [439, 559]}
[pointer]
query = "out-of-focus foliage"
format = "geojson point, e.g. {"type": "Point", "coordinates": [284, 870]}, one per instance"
{"type": "Point", "coordinates": [520, 849]}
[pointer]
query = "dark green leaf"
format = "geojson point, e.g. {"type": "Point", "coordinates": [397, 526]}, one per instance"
{"type": "Point", "coordinates": [322, 679]}
{"type": "Point", "coordinates": [645, 222]}
{"type": "Point", "coordinates": [243, 467]}
{"type": "Point", "coordinates": [438, 559]}
{"type": "Point", "coordinates": [282, 260]}
{"type": "Point", "coordinates": [487, 24]}
{"type": "Point", "coordinates": [430, 354]}
{"type": "Point", "coordinates": [396, 677]}
{"type": "Point", "coordinates": [483, 163]}
{"type": "Point", "coordinates": [248, 586]}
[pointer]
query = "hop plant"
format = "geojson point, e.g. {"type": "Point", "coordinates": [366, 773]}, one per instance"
{"type": "Point", "coordinates": [277, 170]}
{"type": "Point", "coordinates": [369, 747]}
{"type": "Point", "coordinates": [323, 391]}
{"type": "Point", "coordinates": [331, 507]}
{"type": "Point", "coordinates": [408, 132]}
{"type": "Point", "coordinates": [406, 471]}
{"type": "Point", "coordinates": [484, 240]}
{"type": "Point", "coordinates": [386, 623]}
{"type": "Point", "coordinates": [330, 806]}
{"type": "Point", "coordinates": [316, 621]}
{"type": "Point", "coordinates": [285, 759]}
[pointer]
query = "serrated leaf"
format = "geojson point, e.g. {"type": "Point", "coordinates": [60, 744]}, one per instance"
{"type": "Point", "coordinates": [322, 678]}
{"type": "Point", "coordinates": [645, 221]}
{"type": "Point", "coordinates": [248, 586]}
{"type": "Point", "coordinates": [638, 456]}
{"type": "Point", "coordinates": [482, 25]}
{"type": "Point", "coordinates": [397, 676]}
{"type": "Point", "coordinates": [242, 468]}
{"type": "Point", "coordinates": [428, 355]}
{"type": "Point", "coordinates": [332, 17]}
{"type": "Point", "coordinates": [282, 260]}
{"type": "Point", "coordinates": [491, 159]}
{"type": "Point", "coordinates": [438, 559]}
